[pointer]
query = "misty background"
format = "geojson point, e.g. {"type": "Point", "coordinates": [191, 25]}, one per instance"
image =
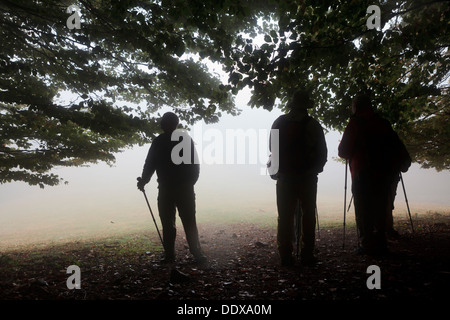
{"type": "Point", "coordinates": [103, 200]}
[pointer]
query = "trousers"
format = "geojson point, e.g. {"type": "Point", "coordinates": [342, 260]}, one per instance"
{"type": "Point", "coordinates": [171, 198]}
{"type": "Point", "coordinates": [371, 198]}
{"type": "Point", "coordinates": [291, 193]}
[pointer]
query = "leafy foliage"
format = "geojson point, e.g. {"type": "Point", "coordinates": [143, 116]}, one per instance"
{"type": "Point", "coordinates": [154, 54]}
{"type": "Point", "coordinates": [325, 46]}
{"type": "Point", "coordinates": [126, 52]}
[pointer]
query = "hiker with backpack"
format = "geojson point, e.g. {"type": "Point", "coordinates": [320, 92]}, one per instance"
{"type": "Point", "coordinates": [374, 153]}
{"type": "Point", "coordinates": [302, 154]}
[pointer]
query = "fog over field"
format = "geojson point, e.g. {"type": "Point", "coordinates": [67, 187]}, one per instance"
{"type": "Point", "coordinates": [102, 200]}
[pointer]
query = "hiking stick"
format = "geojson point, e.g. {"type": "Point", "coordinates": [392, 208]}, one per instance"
{"type": "Point", "coordinates": [345, 200]}
{"type": "Point", "coordinates": [298, 226]}
{"type": "Point", "coordinates": [407, 204]}
{"type": "Point", "coordinates": [317, 219]}
{"type": "Point", "coordinates": [151, 212]}
{"type": "Point", "coordinates": [350, 204]}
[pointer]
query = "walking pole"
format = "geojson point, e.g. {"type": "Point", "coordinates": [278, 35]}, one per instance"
{"type": "Point", "coordinates": [345, 199]}
{"type": "Point", "coordinates": [151, 212]}
{"type": "Point", "coordinates": [407, 204]}
{"type": "Point", "coordinates": [350, 204]}
{"type": "Point", "coordinates": [298, 229]}
{"type": "Point", "coordinates": [317, 219]}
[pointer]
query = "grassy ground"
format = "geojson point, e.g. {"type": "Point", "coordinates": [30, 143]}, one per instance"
{"type": "Point", "coordinates": [243, 264]}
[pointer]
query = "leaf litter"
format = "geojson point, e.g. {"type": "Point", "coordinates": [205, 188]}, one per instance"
{"type": "Point", "coordinates": [243, 264]}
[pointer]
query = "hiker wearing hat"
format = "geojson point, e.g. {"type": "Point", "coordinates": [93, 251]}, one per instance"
{"type": "Point", "coordinates": [176, 187]}
{"type": "Point", "coordinates": [375, 156]}
{"type": "Point", "coordinates": [302, 154]}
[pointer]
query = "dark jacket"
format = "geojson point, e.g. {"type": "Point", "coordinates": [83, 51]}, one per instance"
{"type": "Point", "coordinates": [159, 159]}
{"type": "Point", "coordinates": [372, 147]}
{"type": "Point", "coordinates": [302, 146]}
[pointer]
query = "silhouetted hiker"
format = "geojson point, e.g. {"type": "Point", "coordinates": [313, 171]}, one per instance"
{"type": "Point", "coordinates": [302, 156]}
{"type": "Point", "coordinates": [373, 150]}
{"type": "Point", "coordinates": [176, 186]}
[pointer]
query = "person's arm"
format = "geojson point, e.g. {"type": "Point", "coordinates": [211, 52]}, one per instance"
{"type": "Point", "coordinates": [149, 166]}
{"type": "Point", "coordinates": [276, 126]}
{"type": "Point", "coordinates": [322, 151]}
{"type": "Point", "coordinates": [347, 144]}
{"type": "Point", "coordinates": [403, 159]}
{"type": "Point", "coordinates": [195, 163]}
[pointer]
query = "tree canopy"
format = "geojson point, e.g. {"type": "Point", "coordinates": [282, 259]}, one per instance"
{"type": "Point", "coordinates": [124, 53]}
{"type": "Point", "coordinates": [154, 54]}
{"type": "Point", "coordinates": [326, 47]}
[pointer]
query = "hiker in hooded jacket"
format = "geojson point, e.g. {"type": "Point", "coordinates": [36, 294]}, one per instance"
{"type": "Point", "coordinates": [376, 156]}
{"type": "Point", "coordinates": [302, 154]}
{"type": "Point", "coordinates": [176, 187]}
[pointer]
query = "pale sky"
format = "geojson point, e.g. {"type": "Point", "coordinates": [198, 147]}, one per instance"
{"type": "Point", "coordinates": [106, 197]}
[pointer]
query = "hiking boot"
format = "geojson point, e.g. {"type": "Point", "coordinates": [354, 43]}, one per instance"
{"type": "Point", "coordinates": [167, 259]}
{"type": "Point", "coordinates": [360, 251]}
{"type": "Point", "coordinates": [178, 277]}
{"type": "Point", "coordinates": [200, 258]}
{"type": "Point", "coordinates": [308, 259]}
{"type": "Point", "coordinates": [287, 261]}
{"type": "Point", "coordinates": [392, 234]}
{"type": "Point", "coordinates": [379, 251]}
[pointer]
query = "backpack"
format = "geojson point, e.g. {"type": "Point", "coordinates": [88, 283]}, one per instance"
{"type": "Point", "coordinates": [381, 146]}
